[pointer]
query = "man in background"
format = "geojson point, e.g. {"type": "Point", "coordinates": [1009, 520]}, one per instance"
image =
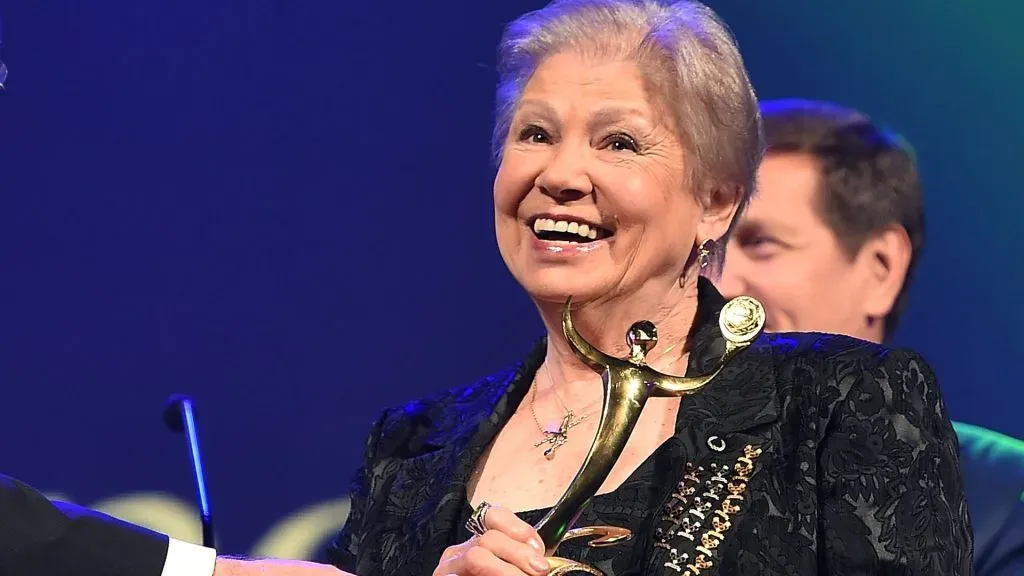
{"type": "Point", "coordinates": [829, 244]}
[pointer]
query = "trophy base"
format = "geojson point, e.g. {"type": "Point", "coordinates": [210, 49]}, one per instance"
{"type": "Point", "coordinates": [560, 566]}
{"type": "Point", "coordinates": [606, 536]}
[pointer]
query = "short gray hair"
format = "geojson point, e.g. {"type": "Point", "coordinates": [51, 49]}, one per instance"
{"type": "Point", "coordinates": [697, 71]}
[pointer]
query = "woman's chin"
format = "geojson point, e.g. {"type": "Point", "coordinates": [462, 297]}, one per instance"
{"type": "Point", "coordinates": [558, 292]}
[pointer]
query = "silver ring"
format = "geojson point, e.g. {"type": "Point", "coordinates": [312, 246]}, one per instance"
{"type": "Point", "coordinates": [477, 523]}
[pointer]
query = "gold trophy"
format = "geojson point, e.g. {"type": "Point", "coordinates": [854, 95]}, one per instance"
{"type": "Point", "coordinates": [628, 383]}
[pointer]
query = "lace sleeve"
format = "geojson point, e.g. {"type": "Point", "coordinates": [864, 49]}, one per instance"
{"type": "Point", "coordinates": [345, 551]}
{"type": "Point", "coordinates": [892, 500]}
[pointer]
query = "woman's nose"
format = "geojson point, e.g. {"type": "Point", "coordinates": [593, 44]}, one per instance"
{"type": "Point", "coordinates": [565, 177]}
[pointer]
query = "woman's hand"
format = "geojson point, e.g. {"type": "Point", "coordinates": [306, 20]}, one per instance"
{"type": "Point", "coordinates": [509, 547]}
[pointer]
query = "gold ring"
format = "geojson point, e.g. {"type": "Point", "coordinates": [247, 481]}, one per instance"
{"type": "Point", "coordinates": [477, 523]}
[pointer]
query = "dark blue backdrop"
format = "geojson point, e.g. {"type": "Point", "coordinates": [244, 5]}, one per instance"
{"type": "Point", "coordinates": [283, 209]}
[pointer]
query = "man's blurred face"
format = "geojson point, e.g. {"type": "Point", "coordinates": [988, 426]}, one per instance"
{"type": "Point", "coordinates": [785, 255]}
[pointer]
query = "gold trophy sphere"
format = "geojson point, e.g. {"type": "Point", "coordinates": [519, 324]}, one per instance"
{"type": "Point", "coordinates": [741, 319]}
{"type": "Point", "coordinates": [642, 337]}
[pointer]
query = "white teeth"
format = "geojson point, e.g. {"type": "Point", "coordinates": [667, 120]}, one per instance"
{"type": "Point", "coordinates": [549, 225]}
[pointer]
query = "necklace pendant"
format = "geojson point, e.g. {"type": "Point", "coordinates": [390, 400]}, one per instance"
{"type": "Point", "coordinates": [555, 439]}
{"type": "Point", "coordinates": [569, 422]}
{"type": "Point", "coordinates": [550, 452]}
{"type": "Point", "coordinates": [556, 435]}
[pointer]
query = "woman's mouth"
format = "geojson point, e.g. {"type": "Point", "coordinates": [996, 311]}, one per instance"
{"type": "Point", "coordinates": [568, 231]}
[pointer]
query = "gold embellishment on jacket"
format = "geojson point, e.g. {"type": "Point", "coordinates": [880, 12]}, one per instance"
{"type": "Point", "coordinates": [679, 523]}
{"type": "Point", "coordinates": [700, 563]}
{"type": "Point", "coordinates": [678, 505]}
{"type": "Point", "coordinates": [721, 497]}
{"type": "Point", "coordinates": [676, 560]}
{"type": "Point", "coordinates": [720, 521]}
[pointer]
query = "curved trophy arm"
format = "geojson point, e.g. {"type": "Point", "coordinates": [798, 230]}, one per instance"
{"type": "Point", "coordinates": [562, 566]}
{"type": "Point", "coordinates": [741, 322]}
{"type": "Point", "coordinates": [626, 393]}
{"type": "Point", "coordinates": [596, 359]}
{"type": "Point", "coordinates": [678, 385]}
{"type": "Point", "coordinates": [606, 535]}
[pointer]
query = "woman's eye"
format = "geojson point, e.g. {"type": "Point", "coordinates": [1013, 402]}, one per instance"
{"type": "Point", "coordinates": [622, 143]}
{"type": "Point", "coordinates": [534, 135]}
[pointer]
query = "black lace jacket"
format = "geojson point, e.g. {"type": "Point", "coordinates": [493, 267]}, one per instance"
{"type": "Point", "coordinates": [809, 454]}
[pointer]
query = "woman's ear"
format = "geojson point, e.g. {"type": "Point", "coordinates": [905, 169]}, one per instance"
{"type": "Point", "coordinates": [719, 208]}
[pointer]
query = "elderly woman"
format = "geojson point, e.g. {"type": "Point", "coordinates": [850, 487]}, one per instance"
{"type": "Point", "coordinates": [628, 136]}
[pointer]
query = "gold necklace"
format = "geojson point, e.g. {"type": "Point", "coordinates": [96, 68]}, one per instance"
{"type": "Point", "coordinates": [555, 438]}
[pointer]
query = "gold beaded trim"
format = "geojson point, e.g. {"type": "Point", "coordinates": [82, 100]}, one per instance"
{"type": "Point", "coordinates": [685, 518]}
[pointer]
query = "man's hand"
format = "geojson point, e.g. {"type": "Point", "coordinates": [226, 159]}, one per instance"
{"type": "Point", "coordinates": [239, 567]}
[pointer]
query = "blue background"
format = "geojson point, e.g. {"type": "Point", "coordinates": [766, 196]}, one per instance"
{"type": "Point", "coordinates": [284, 209]}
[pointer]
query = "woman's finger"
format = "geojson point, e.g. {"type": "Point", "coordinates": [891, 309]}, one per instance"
{"type": "Point", "coordinates": [504, 521]}
{"type": "Point", "coordinates": [523, 556]}
{"type": "Point", "coordinates": [479, 561]}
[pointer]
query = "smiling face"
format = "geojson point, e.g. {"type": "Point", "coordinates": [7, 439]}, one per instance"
{"type": "Point", "coordinates": [784, 254]}
{"type": "Point", "coordinates": [590, 198]}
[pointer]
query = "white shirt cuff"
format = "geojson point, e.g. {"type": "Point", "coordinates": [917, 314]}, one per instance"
{"type": "Point", "coordinates": [184, 559]}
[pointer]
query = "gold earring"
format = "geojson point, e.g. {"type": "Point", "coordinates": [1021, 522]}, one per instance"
{"type": "Point", "coordinates": [704, 253]}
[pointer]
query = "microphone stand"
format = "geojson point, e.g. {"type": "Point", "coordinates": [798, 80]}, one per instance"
{"type": "Point", "coordinates": [179, 417]}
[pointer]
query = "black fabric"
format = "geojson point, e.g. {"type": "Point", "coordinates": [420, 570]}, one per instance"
{"type": "Point", "coordinates": [630, 506]}
{"type": "Point", "coordinates": [43, 538]}
{"type": "Point", "coordinates": [808, 454]}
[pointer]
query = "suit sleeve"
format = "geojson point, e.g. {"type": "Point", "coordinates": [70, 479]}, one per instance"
{"type": "Point", "coordinates": [892, 499]}
{"type": "Point", "coordinates": [43, 538]}
{"type": "Point", "coordinates": [347, 552]}
{"type": "Point", "coordinates": [992, 466]}
{"type": "Point", "coordinates": [1006, 556]}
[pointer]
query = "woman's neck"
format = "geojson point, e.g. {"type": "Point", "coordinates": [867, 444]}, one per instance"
{"type": "Point", "coordinates": [605, 325]}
